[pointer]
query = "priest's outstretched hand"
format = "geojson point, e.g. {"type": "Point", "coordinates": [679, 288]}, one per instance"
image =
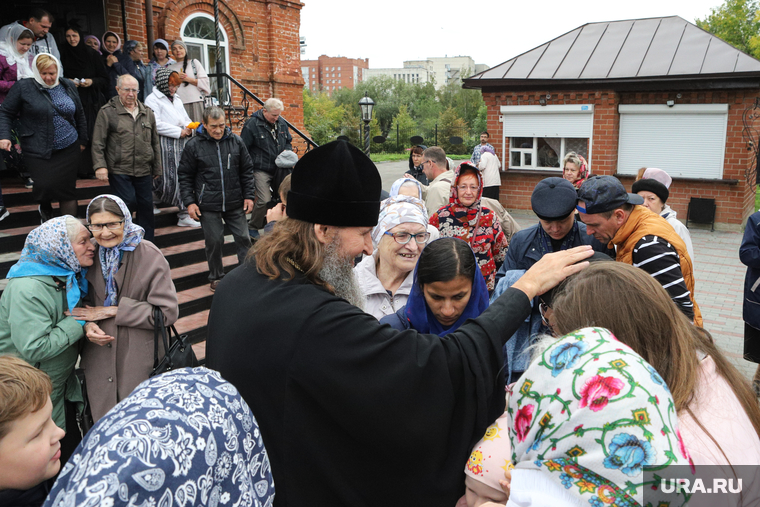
{"type": "Point", "coordinates": [552, 269]}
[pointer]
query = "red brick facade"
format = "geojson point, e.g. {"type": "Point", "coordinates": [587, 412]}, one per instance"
{"type": "Point", "coordinates": [263, 38]}
{"type": "Point", "coordinates": [734, 199]}
{"type": "Point", "coordinates": [330, 73]}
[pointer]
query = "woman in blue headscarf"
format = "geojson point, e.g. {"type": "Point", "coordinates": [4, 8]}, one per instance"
{"type": "Point", "coordinates": [47, 281]}
{"type": "Point", "coordinates": [129, 278]}
{"type": "Point", "coordinates": [183, 438]}
{"type": "Point", "coordinates": [448, 289]}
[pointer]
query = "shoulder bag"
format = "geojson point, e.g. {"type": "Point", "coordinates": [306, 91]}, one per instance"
{"type": "Point", "coordinates": [178, 351]}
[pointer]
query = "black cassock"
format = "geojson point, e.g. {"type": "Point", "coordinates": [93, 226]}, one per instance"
{"type": "Point", "coordinates": [354, 413]}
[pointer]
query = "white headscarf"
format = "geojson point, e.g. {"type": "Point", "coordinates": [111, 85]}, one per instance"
{"type": "Point", "coordinates": [397, 210]}
{"type": "Point", "coordinates": [10, 52]}
{"type": "Point", "coordinates": [38, 76]}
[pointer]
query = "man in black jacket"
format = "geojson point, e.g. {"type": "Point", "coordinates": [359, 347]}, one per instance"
{"type": "Point", "coordinates": [354, 413]}
{"type": "Point", "coordinates": [216, 183]}
{"type": "Point", "coordinates": [265, 135]}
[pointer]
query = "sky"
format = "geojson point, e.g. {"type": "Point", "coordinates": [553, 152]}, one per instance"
{"type": "Point", "coordinates": [490, 31]}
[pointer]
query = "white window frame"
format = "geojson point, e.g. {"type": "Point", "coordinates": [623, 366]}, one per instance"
{"type": "Point", "coordinates": [205, 43]}
{"type": "Point", "coordinates": [586, 132]}
{"type": "Point", "coordinates": [677, 163]}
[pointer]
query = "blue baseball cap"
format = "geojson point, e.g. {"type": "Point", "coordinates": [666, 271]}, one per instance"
{"type": "Point", "coordinates": [604, 193]}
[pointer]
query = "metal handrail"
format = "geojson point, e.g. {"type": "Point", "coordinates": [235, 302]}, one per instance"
{"type": "Point", "coordinates": [309, 142]}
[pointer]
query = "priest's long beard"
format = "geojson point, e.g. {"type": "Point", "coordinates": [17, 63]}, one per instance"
{"type": "Point", "coordinates": [338, 271]}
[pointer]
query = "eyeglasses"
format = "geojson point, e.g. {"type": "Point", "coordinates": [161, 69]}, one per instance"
{"type": "Point", "coordinates": [542, 309]}
{"type": "Point", "coordinates": [464, 188]}
{"type": "Point", "coordinates": [402, 238]}
{"type": "Point", "coordinates": [427, 162]}
{"type": "Point", "coordinates": [111, 226]}
{"type": "Point", "coordinates": [130, 90]}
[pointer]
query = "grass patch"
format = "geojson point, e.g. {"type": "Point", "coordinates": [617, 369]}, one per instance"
{"type": "Point", "coordinates": [757, 198]}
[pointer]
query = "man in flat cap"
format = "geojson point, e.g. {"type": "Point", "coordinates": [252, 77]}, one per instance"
{"type": "Point", "coordinates": [553, 201]}
{"type": "Point", "coordinates": [352, 412]}
{"type": "Point", "coordinates": [641, 238]}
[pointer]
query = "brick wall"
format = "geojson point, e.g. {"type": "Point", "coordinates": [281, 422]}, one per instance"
{"type": "Point", "coordinates": [735, 202]}
{"type": "Point", "coordinates": [263, 42]}
{"type": "Point", "coordinates": [334, 72]}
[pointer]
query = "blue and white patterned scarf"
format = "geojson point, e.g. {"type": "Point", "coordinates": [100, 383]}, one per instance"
{"type": "Point", "coordinates": [110, 258]}
{"type": "Point", "coordinates": [48, 252]}
{"type": "Point", "coordinates": [184, 438]}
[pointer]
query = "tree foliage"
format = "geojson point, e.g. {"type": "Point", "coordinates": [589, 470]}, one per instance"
{"type": "Point", "coordinates": [736, 22]}
{"type": "Point", "coordinates": [414, 107]}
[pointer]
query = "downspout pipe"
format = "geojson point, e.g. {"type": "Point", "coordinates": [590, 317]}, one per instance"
{"type": "Point", "coordinates": [149, 26]}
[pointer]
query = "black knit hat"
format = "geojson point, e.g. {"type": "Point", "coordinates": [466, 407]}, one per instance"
{"type": "Point", "coordinates": [654, 186]}
{"type": "Point", "coordinates": [335, 184]}
{"type": "Point", "coordinates": [553, 198]}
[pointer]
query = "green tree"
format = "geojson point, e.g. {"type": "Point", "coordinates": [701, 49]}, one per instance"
{"type": "Point", "coordinates": [402, 128]}
{"type": "Point", "coordinates": [736, 22]}
{"type": "Point", "coordinates": [450, 126]}
{"type": "Point", "coordinates": [322, 118]}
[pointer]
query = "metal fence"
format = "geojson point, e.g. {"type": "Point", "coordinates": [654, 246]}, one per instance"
{"type": "Point", "coordinates": [454, 140]}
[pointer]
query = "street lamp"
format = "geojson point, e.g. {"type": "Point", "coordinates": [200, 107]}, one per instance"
{"type": "Point", "coordinates": [366, 104]}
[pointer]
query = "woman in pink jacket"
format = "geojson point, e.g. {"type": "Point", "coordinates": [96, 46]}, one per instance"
{"type": "Point", "coordinates": [717, 409]}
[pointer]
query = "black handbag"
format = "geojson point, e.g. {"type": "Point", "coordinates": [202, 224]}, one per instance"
{"type": "Point", "coordinates": [84, 418]}
{"type": "Point", "coordinates": [178, 353]}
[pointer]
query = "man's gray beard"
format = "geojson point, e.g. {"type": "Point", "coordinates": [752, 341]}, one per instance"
{"type": "Point", "coordinates": [339, 272]}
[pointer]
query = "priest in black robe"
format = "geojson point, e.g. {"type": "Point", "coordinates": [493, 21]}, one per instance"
{"type": "Point", "coordinates": [354, 413]}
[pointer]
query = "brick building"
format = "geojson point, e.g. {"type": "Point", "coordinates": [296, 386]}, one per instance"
{"type": "Point", "coordinates": [330, 73]}
{"type": "Point", "coordinates": [656, 92]}
{"type": "Point", "coordinates": [260, 38]}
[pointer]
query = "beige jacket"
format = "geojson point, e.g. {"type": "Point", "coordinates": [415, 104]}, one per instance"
{"type": "Point", "coordinates": [114, 370]}
{"type": "Point", "coordinates": [438, 192]}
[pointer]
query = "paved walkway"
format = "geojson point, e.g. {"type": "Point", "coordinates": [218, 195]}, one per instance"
{"type": "Point", "coordinates": [719, 287]}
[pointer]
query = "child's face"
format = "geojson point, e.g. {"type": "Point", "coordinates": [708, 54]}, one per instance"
{"type": "Point", "coordinates": [478, 494]}
{"type": "Point", "coordinates": [30, 452]}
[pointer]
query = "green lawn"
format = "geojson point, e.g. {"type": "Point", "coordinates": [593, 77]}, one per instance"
{"type": "Point", "coordinates": [392, 157]}
{"type": "Point", "coordinates": [757, 198]}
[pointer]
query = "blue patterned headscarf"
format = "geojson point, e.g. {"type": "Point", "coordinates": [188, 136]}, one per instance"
{"type": "Point", "coordinates": [110, 258]}
{"type": "Point", "coordinates": [184, 438]}
{"type": "Point", "coordinates": [48, 252]}
{"type": "Point", "coordinates": [399, 182]}
{"type": "Point", "coordinates": [422, 319]}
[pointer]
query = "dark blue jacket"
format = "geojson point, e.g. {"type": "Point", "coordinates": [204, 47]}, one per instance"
{"type": "Point", "coordinates": [749, 254]}
{"type": "Point", "coordinates": [397, 320]}
{"type": "Point", "coordinates": [525, 250]}
{"type": "Point", "coordinates": [263, 147]}
{"type": "Point", "coordinates": [34, 107]}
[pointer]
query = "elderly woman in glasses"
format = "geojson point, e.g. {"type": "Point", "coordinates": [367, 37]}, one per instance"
{"type": "Point", "coordinates": [129, 277]}
{"type": "Point", "coordinates": [467, 219]}
{"type": "Point", "coordinates": [386, 276]}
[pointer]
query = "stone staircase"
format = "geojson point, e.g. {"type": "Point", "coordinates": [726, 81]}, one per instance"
{"type": "Point", "coordinates": [182, 247]}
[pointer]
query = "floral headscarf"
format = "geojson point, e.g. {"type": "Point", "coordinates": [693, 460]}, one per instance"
{"type": "Point", "coordinates": [394, 211]}
{"type": "Point", "coordinates": [583, 172]}
{"type": "Point", "coordinates": [183, 438]}
{"type": "Point", "coordinates": [491, 457]}
{"type": "Point", "coordinates": [12, 56]}
{"type": "Point", "coordinates": [48, 252]}
{"type": "Point", "coordinates": [92, 37]}
{"type": "Point", "coordinates": [422, 319]}
{"type": "Point", "coordinates": [110, 258]}
{"type": "Point", "coordinates": [592, 415]}
{"type": "Point", "coordinates": [475, 224]}
{"type": "Point", "coordinates": [396, 187]}
{"type": "Point", "coordinates": [162, 81]}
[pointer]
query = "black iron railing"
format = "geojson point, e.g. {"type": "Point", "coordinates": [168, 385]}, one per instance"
{"type": "Point", "coordinates": [237, 113]}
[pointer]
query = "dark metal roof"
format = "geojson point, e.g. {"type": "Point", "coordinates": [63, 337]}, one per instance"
{"type": "Point", "coordinates": [638, 50]}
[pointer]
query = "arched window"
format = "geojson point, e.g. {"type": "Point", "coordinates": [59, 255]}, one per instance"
{"type": "Point", "coordinates": [198, 35]}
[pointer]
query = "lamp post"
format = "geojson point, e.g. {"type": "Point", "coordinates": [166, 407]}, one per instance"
{"type": "Point", "coordinates": [366, 104]}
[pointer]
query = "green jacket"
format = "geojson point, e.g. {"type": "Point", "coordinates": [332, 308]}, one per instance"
{"type": "Point", "coordinates": [34, 328]}
{"type": "Point", "coordinates": [124, 145]}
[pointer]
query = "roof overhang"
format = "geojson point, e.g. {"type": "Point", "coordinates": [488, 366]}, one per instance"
{"type": "Point", "coordinates": [656, 83]}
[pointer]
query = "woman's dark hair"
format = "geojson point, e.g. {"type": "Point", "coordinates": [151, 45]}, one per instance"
{"type": "Point", "coordinates": [445, 259]}
{"type": "Point", "coordinates": [104, 204]}
{"type": "Point", "coordinates": [26, 34]}
{"type": "Point", "coordinates": [73, 28]}
{"type": "Point", "coordinates": [418, 150]}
